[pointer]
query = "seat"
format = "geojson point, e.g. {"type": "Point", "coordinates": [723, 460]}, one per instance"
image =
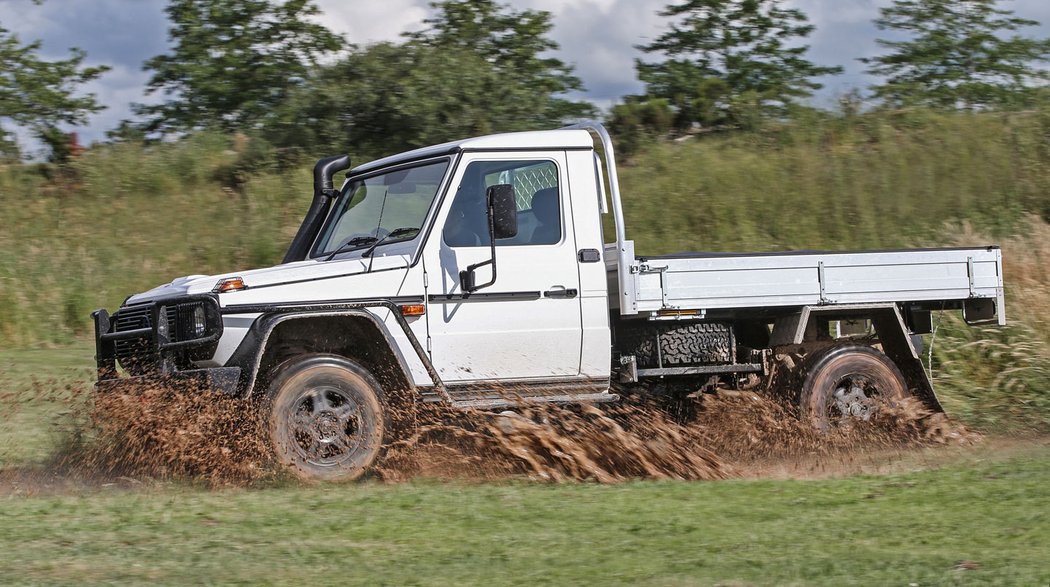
{"type": "Point", "coordinates": [548, 217]}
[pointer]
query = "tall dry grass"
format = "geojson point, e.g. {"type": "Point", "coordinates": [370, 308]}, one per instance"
{"type": "Point", "coordinates": [129, 217]}
{"type": "Point", "coordinates": [999, 378]}
{"type": "Point", "coordinates": [873, 181]}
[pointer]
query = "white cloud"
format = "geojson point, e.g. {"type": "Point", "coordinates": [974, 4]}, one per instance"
{"type": "Point", "coordinates": [371, 22]}
{"type": "Point", "coordinates": [597, 37]}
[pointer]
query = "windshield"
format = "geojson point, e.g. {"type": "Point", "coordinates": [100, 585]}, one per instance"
{"type": "Point", "coordinates": [381, 209]}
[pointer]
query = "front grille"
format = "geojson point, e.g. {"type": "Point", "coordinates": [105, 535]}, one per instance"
{"type": "Point", "coordinates": [137, 355]}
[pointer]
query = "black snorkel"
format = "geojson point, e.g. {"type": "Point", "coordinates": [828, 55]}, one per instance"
{"type": "Point", "coordinates": [324, 192]}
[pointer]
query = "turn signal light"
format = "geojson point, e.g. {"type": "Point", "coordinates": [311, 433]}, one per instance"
{"type": "Point", "coordinates": [229, 284]}
{"type": "Point", "coordinates": [413, 310]}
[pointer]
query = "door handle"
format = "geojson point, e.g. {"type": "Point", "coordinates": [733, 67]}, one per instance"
{"type": "Point", "coordinates": [560, 293]}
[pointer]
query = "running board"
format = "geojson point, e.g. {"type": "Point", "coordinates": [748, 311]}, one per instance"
{"type": "Point", "coordinates": [496, 403]}
{"type": "Point", "coordinates": [511, 393]}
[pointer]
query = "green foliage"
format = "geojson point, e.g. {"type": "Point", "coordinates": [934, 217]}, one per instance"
{"type": "Point", "coordinates": [877, 180]}
{"type": "Point", "coordinates": [388, 98]}
{"type": "Point", "coordinates": [136, 216]}
{"type": "Point", "coordinates": [730, 60]}
{"type": "Point", "coordinates": [638, 122]}
{"type": "Point", "coordinates": [233, 61]}
{"type": "Point", "coordinates": [958, 56]}
{"type": "Point", "coordinates": [514, 43]}
{"type": "Point", "coordinates": [477, 70]}
{"type": "Point", "coordinates": [141, 214]}
{"type": "Point", "coordinates": [993, 378]}
{"type": "Point", "coordinates": [38, 94]}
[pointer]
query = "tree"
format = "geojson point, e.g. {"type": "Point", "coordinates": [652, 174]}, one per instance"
{"type": "Point", "coordinates": [637, 121]}
{"type": "Point", "coordinates": [957, 56]}
{"type": "Point", "coordinates": [478, 69]}
{"type": "Point", "coordinates": [731, 60]}
{"type": "Point", "coordinates": [233, 61]}
{"type": "Point", "coordinates": [41, 95]}
{"type": "Point", "coordinates": [390, 97]}
{"type": "Point", "coordinates": [514, 44]}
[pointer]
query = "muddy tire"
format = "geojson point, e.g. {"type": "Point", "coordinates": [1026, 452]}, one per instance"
{"type": "Point", "coordinates": [326, 416]}
{"type": "Point", "coordinates": [849, 383]}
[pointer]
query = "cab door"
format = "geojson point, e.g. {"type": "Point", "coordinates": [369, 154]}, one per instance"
{"type": "Point", "coordinates": [527, 324]}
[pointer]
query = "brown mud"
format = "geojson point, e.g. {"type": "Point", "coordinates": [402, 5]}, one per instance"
{"type": "Point", "coordinates": [127, 440]}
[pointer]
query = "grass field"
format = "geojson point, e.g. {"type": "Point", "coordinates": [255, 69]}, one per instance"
{"type": "Point", "coordinates": [37, 399]}
{"type": "Point", "coordinates": [914, 528]}
{"type": "Point", "coordinates": [124, 218]}
{"type": "Point", "coordinates": [916, 524]}
{"type": "Point", "coordinates": [128, 217]}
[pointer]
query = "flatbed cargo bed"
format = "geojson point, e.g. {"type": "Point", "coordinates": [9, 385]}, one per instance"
{"type": "Point", "coordinates": [727, 281]}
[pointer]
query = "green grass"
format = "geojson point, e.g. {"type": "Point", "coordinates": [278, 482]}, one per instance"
{"type": "Point", "coordinates": [990, 506]}
{"type": "Point", "coordinates": [874, 181]}
{"type": "Point", "coordinates": [38, 398]}
{"type": "Point", "coordinates": [126, 217]}
{"type": "Point", "coordinates": [129, 218]}
{"type": "Point", "coordinates": [896, 530]}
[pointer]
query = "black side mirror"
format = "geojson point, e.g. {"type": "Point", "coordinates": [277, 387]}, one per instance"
{"type": "Point", "coordinates": [503, 223]}
{"type": "Point", "coordinates": [502, 210]}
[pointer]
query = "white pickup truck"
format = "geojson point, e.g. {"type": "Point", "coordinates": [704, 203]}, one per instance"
{"type": "Point", "coordinates": [477, 273]}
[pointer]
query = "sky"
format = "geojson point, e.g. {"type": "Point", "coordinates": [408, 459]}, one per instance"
{"type": "Point", "coordinates": [597, 37]}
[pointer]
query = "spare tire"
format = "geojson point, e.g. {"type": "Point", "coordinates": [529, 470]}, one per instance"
{"type": "Point", "coordinates": [680, 344]}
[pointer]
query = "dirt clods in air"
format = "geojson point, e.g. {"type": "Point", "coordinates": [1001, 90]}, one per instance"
{"type": "Point", "coordinates": [709, 436]}
{"type": "Point", "coordinates": [550, 443]}
{"type": "Point", "coordinates": [166, 433]}
{"type": "Point", "coordinates": [203, 436]}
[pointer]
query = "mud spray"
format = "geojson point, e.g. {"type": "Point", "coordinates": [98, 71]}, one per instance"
{"type": "Point", "coordinates": [205, 437]}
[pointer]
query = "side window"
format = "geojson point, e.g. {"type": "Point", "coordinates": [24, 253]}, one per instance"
{"type": "Point", "coordinates": [536, 193]}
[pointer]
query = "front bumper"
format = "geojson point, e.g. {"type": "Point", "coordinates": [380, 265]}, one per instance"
{"type": "Point", "coordinates": [158, 342]}
{"type": "Point", "coordinates": [222, 379]}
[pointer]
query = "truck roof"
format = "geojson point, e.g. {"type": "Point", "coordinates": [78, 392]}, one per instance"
{"type": "Point", "coordinates": [542, 139]}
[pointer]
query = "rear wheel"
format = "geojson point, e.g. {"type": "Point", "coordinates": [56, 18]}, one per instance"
{"type": "Point", "coordinates": [326, 418]}
{"type": "Point", "coordinates": [849, 383]}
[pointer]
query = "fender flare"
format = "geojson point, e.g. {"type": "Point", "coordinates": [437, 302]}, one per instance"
{"type": "Point", "coordinates": [249, 353]}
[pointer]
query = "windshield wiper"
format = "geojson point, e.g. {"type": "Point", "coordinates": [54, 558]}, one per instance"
{"type": "Point", "coordinates": [354, 243]}
{"type": "Point", "coordinates": [394, 234]}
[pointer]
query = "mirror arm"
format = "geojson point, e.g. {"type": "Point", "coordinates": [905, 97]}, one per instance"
{"type": "Point", "coordinates": [466, 276]}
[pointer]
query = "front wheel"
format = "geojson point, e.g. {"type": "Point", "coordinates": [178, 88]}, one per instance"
{"type": "Point", "coordinates": [326, 418]}
{"type": "Point", "coordinates": [847, 383]}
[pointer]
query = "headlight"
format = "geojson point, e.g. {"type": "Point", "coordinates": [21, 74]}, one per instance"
{"type": "Point", "coordinates": [163, 328]}
{"type": "Point", "coordinates": [199, 321]}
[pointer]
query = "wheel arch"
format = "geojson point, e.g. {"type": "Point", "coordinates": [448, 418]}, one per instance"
{"type": "Point", "coordinates": [800, 330]}
{"type": "Point", "coordinates": [358, 335]}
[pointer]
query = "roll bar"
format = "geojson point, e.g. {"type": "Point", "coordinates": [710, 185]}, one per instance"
{"type": "Point", "coordinates": [624, 248]}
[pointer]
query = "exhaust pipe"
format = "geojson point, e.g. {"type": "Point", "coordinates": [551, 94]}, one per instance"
{"type": "Point", "coordinates": [324, 191]}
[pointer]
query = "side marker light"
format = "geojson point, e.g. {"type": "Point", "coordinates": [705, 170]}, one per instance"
{"type": "Point", "coordinates": [413, 310]}
{"type": "Point", "coordinates": [229, 284]}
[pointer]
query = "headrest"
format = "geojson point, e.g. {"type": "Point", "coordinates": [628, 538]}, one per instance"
{"type": "Point", "coordinates": [545, 203]}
